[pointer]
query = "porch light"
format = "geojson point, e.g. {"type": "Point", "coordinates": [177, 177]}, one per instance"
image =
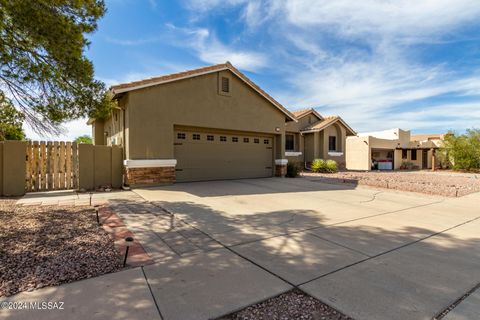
{"type": "Point", "coordinates": [128, 243]}
{"type": "Point", "coordinates": [277, 129]}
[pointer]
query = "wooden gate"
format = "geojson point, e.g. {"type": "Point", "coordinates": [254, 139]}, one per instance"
{"type": "Point", "coordinates": [51, 166]}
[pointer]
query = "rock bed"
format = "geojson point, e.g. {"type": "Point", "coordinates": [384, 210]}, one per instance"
{"type": "Point", "coordinates": [292, 305]}
{"type": "Point", "coordinates": [433, 183]}
{"type": "Point", "coordinates": [49, 245]}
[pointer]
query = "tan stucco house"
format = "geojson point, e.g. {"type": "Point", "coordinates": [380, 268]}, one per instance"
{"type": "Point", "coordinates": [390, 150]}
{"type": "Point", "coordinates": [211, 123]}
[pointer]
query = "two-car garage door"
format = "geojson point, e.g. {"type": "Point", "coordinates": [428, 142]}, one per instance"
{"type": "Point", "coordinates": [212, 155]}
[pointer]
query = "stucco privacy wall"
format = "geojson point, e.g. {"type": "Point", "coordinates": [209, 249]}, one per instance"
{"type": "Point", "coordinates": [13, 168]}
{"type": "Point", "coordinates": [153, 112]}
{"type": "Point", "coordinates": [99, 166]}
{"type": "Point", "coordinates": [358, 155]}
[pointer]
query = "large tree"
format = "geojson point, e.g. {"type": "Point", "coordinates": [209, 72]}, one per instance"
{"type": "Point", "coordinates": [43, 69]}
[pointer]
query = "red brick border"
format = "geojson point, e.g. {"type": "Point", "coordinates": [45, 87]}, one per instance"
{"type": "Point", "coordinates": [113, 225]}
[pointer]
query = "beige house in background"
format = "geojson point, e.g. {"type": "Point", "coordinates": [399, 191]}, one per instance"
{"type": "Point", "coordinates": [314, 136]}
{"type": "Point", "coordinates": [389, 149]}
{"type": "Point", "coordinates": [212, 123]}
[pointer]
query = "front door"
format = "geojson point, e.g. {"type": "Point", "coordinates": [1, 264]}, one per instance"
{"type": "Point", "coordinates": [424, 159]}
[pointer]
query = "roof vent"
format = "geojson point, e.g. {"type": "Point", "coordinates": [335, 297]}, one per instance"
{"type": "Point", "coordinates": [225, 84]}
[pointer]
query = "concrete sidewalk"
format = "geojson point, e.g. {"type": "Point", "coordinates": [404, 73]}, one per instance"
{"type": "Point", "coordinates": [122, 295]}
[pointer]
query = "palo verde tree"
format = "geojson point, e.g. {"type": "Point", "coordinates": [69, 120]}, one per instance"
{"type": "Point", "coordinates": [43, 70]}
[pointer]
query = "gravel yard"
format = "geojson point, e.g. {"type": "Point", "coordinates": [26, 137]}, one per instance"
{"type": "Point", "coordinates": [49, 245]}
{"type": "Point", "coordinates": [448, 184]}
{"type": "Point", "coordinates": [292, 305]}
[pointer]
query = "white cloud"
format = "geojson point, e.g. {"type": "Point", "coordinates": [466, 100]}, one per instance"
{"type": "Point", "coordinates": [211, 50]}
{"type": "Point", "coordinates": [407, 18]}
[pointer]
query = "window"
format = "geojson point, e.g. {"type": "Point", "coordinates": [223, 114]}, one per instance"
{"type": "Point", "coordinates": [332, 143]}
{"type": "Point", "coordinates": [265, 141]}
{"type": "Point", "coordinates": [256, 140]}
{"type": "Point", "coordinates": [404, 153]}
{"type": "Point", "coordinates": [234, 139]}
{"type": "Point", "coordinates": [223, 138]}
{"type": "Point", "coordinates": [289, 142]}
{"type": "Point", "coordinates": [225, 84]}
{"type": "Point", "coordinates": [209, 138]}
{"type": "Point", "coordinates": [181, 136]}
{"type": "Point", "coordinates": [196, 136]}
{"type": "Point", "coordinates": [246, 140]}
{"type": "Point", "coordinates": [413, 155]}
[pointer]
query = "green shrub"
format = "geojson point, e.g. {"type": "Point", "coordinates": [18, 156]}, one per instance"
{"type": "Point", "coordinates": [318, 165]}
{"type": "Point", "coordinates": [406, 165]}
{"type": "Point", "coordinates": [292, 170]}
{"type": "Point", "coordinates": [463, 150]}
{"type": "Point", "coordinates": [331, 166]}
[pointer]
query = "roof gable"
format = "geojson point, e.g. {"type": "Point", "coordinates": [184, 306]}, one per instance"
{"type": "Point", "coordinates": [304, 112]}
{"type": "Point", "coordinates": [135, 85]}
{"type": "Point", "coordinates": [325, 123]}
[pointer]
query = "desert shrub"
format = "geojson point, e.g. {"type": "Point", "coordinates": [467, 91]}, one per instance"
{"type": "Point", "coordinates": [318, 165]}
{"type": "Point", "coordinates": [331, 166]}
{"type": "Point", "coordinates": [406, 165]}
{"type": "Point", "coordinates": [463, 150]}
{"type": "Point", "coordinates": [292, 169]}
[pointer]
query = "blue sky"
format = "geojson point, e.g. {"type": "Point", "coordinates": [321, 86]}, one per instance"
{"type": "Point", "coordinates": [378, 64]}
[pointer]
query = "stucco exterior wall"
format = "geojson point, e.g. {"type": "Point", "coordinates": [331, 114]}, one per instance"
{"type": "Point", "coordinates": [153, 112]}
{"type": "Point", "coordinates": [358, 153]}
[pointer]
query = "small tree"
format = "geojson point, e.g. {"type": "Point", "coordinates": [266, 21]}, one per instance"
{"type": "Point", "coordinates": [463, 150]}
{"type": "Point", "coordinates": [86, 139]}
{"type": "Point", "coordinates": [10, 121]}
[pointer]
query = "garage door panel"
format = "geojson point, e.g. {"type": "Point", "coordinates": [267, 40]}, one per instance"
{"type": "Point", "coordinates": [222, 159]}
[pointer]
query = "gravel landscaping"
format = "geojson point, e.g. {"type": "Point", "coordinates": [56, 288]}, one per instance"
{"type": "Point", "coordinates": [434, 183]}
{"type": "Point", "coordinates": [49, 245]}
{"type": "Point", "coordinates": [292, 305]}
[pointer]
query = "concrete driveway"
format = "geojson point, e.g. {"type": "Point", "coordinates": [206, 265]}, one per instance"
{"type": "Point", "coordinates": [220, 246]}
{"type": "Point", "coordinates": [371, 254]}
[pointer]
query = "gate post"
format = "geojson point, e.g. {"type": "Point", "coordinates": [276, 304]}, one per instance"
{"type": "Point", "coordinates": [14, 168]}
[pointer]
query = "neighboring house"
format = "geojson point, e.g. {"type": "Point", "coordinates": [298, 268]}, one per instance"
{"type": "Point", "coordinates": [314, 136]}
{"type": "Point", "coordinates": [390, 150]}
{"type": "Point", "coordinates": [204, 124]}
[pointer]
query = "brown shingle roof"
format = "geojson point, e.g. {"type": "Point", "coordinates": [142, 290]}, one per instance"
{"type": "Point", "coordinates": [129, 86]}
{"type": "Point", "coordinates": [325, 122]}
{"type": "Point", "coordinates": [303, 112]}
{"type": "Point", "coordinates": [168, 77]}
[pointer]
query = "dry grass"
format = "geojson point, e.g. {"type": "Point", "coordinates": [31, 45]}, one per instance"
{"type": "Point", "coordinates": [50, 245]}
